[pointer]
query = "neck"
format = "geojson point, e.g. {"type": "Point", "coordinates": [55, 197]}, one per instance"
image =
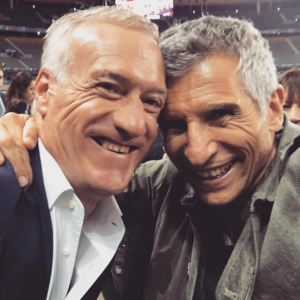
{"type": "Point", "coordinates": [231, 216]}
{"type": "Point", "coordinates": [88, 201]}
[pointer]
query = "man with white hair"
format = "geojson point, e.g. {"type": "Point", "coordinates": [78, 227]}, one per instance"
{"type": "Point", "coordinates": [225, 207]}
{"type": "Point", "coordinates": [98, 96]}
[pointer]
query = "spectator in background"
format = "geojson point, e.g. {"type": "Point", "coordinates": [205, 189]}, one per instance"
{"type": "Point", "coordinates": [20, 94]}
{"type": "Point", "coordinates": [2, 96]}
{"type": "Point", "coordinates": [291, 83]}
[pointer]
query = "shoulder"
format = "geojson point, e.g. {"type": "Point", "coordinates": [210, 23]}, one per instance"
{"type": "Point", "coordinates": [156, 171]}
{"type": "Point", "coordinates": [20, 107]}
{"type": "Point", "coordinates": [9, 186]}
{"type": "Point", "coordinates": [153, 179]}
{"type": "Point", "coordinates": [21, 103]}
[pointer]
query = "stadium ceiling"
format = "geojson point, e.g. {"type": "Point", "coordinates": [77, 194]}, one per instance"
{"type": "Point", "coordinates": [208, 2]}
{"type": "Point", "coordinates": [67, 2]}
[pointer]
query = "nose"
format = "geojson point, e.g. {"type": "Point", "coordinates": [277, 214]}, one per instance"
{"type": "Point", "coordinates": [129, 118]}
{"type": "Point", "coordinates": [294, 114]}
{"type": "Point", "coordinates": [201, 144]}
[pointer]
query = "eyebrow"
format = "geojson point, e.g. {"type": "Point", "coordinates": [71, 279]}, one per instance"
{"type": "Point", "coordinates": [110, 75]}
{"type": "Point", "coordinates": [225, 106]}
{"type": "Point", "coordinates": [165, 117]}
{"type": "Point", "coordinates": [123, 80]}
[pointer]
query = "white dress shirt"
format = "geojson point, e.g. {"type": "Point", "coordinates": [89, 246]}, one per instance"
{"type": "Point", "coordinates": [82, 249]}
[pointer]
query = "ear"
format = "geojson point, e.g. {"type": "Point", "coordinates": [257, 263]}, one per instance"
{"type": "Point", "coordinates": [275, 108]}
{"type": "Point", "coordinates": [41, 91]}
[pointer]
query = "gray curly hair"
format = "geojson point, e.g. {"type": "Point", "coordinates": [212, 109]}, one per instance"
{"type": "Point", "coordinates": [57, 55]}
{"type": "Point", "coordinates": [185, 45]}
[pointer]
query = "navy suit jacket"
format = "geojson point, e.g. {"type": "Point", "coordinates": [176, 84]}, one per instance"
{"type": "Point", "coordinates": [26, 245]}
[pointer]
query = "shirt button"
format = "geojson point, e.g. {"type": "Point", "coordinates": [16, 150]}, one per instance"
{"type": "Point", "coordinates": [66, 251]}
{"type": "Point", "coordinates": [71, 204]}
{"type": "Point", "coordinates": [189, 269]}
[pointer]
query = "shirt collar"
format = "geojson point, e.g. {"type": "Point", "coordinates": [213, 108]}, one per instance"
{"type": "Point", "coordinates": [55, 181]}
{"type": "Point", "coordinates": [286, 140]}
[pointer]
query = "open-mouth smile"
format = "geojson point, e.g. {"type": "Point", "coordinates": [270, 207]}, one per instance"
{"type": "Point", "coordinates": [113, 146]}
{"type": "Point", "coordinates": [217, 172]}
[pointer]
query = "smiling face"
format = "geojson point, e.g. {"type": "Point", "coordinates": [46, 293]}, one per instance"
{"type": "Point", "coordinates": [102, 122]}
{"type": "Point", "coordinates": [215, 134]}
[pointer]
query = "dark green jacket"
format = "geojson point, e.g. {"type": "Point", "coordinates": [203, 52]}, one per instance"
{"type": "Point", "coordinates": [265, 262]}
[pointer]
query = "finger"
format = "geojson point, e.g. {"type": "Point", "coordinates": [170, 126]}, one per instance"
{"type": "Point", "coordinates": [30, 134]}
{"type": "Point", "coordinates": [11, 144]}
{"type": "Point", "coordinates": [18, 157]}
{"type": "Point", "coordinates": [1, 159]}
{"type": "Point", "coordinates": [22, 166]}
{"type": "Point", "coordinates": [14, 124]}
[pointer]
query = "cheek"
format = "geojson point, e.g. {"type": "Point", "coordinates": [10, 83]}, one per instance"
{"type": "Point", "coordinates": [240, 137]}
{"type": "Point", "coordinates": [151, 125]}
{"type": "Point", "coordinates": [174, 146]}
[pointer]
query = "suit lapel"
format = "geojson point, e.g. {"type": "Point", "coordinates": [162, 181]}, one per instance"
{"type": "Point", "coordinates": [37, 193]}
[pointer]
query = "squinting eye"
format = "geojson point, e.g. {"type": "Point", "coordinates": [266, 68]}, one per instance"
{"type": "Point", "coordinates": [151, 102]}
{"type": "Point", "coordinates": [285, 107]}
{"type": "Point", "coordinates": [220, 113]}
{"type": "Point", "coordinates": [107, 86]}
{"type": "Point", "coordinates": [174, 126]}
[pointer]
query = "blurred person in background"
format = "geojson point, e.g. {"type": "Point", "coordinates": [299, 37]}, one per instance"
{"type": "Point", "coordinates": [20, 94]}
{"type": "Point", "coordinates": [2, 96]}
{"type": "Point", "coordinates": [291, 83]}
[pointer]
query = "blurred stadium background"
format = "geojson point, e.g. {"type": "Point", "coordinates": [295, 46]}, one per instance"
{"type": "Point", "coordinates": [23, 24]}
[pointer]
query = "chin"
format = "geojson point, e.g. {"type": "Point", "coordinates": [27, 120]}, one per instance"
{"type": "Point", "coordinates": [216, 201]}
{"type": "Point", "coordinates": [111, 187]}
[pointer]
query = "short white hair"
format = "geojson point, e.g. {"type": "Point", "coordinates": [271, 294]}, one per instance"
{"type": "Point", "coordinates": [57, 54]}
{"type": "Point", "coordinates": [184, 46]}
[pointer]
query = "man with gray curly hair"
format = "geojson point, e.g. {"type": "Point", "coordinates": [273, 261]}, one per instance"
{"type": "Point", "coordinates": [226, 211]}
{"type": "Point", "coordinates": [224, 208]}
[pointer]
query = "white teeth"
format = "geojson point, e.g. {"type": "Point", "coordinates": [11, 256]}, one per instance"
{"type": "Point", "coordinates": [216, 172]}
{"type": "Point", "coordinates": [115, 148]}
{"type": "Point", "coordinates": [205, 174]}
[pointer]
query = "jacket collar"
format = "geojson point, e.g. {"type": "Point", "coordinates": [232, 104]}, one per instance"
{"type": "Point", "coordinates": [35, 193]}
{"type": "Point", "coordinates": [288, 141]}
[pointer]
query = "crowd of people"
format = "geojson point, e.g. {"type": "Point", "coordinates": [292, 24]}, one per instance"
{"type": "Point", "coordinates": [218, 219]}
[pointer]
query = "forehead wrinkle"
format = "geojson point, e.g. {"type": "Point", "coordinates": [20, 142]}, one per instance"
{"type": "Point", "coordinates": [158, 91]}
{"type": "Point", "coordinates": [221, 96]}
{"type": "Point", "coordinates": [218, 87]}
{"type": "Point", "coordinates": [117, 52]}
